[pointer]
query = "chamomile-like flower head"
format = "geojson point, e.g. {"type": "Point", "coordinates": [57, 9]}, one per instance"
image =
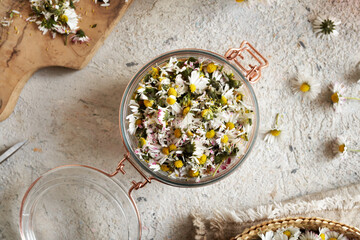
{"type": "Point", "coordinates": [339, 147]}
{"type": "Point", "coordinates": [322, 232]}
{"type": "Point", "coordinates": [276, 132]}
{"type": "Point", "coordinates": [80, 37]}
{"type": "Point", "coordinates": [197, 83]}
{"type": "Point", "coordinates": [337, 90]}
{"type": "Point", "coordinates": [309, 236]}
{"type": "Point", "coordinates": [325, 27]}
{"type": "Point", "coordinates": [70, 18]}
{"type": "Point", "coordinates": [267, 236]}
{"type": "Point", "coordinates": [306, 87]}
{"type": "Point", "coordinates": [292, 233]}
{"type": "Point", "coordinates": [332, 235]}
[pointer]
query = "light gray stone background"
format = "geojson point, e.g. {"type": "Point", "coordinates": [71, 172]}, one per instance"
{"type": "Point", "coordinates": [72, 116]}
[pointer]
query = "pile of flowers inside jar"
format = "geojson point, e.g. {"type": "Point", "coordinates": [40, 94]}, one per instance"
{"type": "Point", "coordinates": [294, 233]}
{"type": "Point", "coordinates": [191, 118]}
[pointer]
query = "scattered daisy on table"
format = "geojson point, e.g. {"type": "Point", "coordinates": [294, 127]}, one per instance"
{"type": "Point", "coordinates": [340, 147]}
{"type": "Point", "coordinates": [326, 27]}
{"type": "Point", "coordinates": [276, 132]}
{"type": "Point", "coordinates": [305, 86]}
{"type": "Point", "coordinates": [337, 95]}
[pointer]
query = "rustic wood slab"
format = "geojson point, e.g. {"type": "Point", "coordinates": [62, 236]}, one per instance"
{"type": "Point", "coordinates": [24, 49]}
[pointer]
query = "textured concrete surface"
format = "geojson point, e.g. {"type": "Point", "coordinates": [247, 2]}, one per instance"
{"type": "Point", "coordinates": [72, 116]}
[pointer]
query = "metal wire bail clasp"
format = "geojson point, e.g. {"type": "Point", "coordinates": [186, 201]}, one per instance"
{"type": "Point", "coordinates": [253, 72]}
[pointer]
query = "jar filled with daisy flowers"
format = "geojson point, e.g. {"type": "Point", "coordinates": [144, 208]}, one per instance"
{"type": "Point", "coordinates": [190, 117]}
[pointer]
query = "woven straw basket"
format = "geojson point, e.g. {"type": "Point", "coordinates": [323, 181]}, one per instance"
{"type": "Point", "coordinates": [300, 222]}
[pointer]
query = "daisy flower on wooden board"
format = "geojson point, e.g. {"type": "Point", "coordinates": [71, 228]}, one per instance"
{"type": "Point", "coordinates": [339, 147]}
{"type": "Point", "coordinates": [326, 27]}
{"type": "Point", "coordinates": [305, 86]}
{"type": "Point", "coordinates": [337, 95]}
{"type": "Point", "coordinates": [275, 133]}
{"type": "Point", "coordinates": [80, 37]}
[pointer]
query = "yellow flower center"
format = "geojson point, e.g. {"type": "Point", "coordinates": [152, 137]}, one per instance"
{"type": "Point", "coordinates": [172, 147]}
{"type": "Point", "coordinates": [148, 103]}
{"type": "Point", "coordinates": [140, 87]}
{"type": "Point", "coordinates": [171, 100]}
{"type": "Point", "coordinates": [287, 233]}
{"type": "Point", "coordinates": [138, 122]}
{"type": "Point", "coordinates": [223, 100]}
{"type": "Point", "coordinates": [335, 98]}
{"type": "Point", "coordinates": [186, 110]}
{"type": "Point", "coordinates": [177, 133]}
{"type": "Point", "coordinates": [240, 0]}
{"type": "Point", "coordinates": [155, 73]}
{"type": "Point", "coordinates": [165, 150]}
{"type": "Point", "coordinates": [178, 163]}
{"type": "Point", "coordinates": [202, 159]}
{"type": "Point", "coordinates": [275, 132]}
{"type": "Point", "coordinates": [192, 88]}
{"type": "Point", "coordinates": [64, 18]}
{"type": "Point", "coordinates": [239, 97]}
{"type": "Point", "coordinates": [224, 139]}
{"type": "Point", "coordinates": [322, 236]}
{"type": "Point", "coordinates": [189, 133]}
{"type": "Point", "coordinates": [211, 68]}
{"type": "Point", "coordinates": [210, 134]}
{"type": "Point", "coordinates": [159, 87]}
{"type": "Point", "coordinates": [207, 114]}
{"type": "Point", "coordinates": [142, 142]}
{"type": "Point", "coordinates": [229, 125]}
{"type": "Point", "coordinates": [342, 148]}
{"type": "Point", "coordinates": [164, 167]}
{"type": "Point", "coordinates": [193, 173]}
{"type": "Point", "coordinates": [333, 239]}
{"type": "Point", "coordinates": [304, 87]}
{"type": "Point", "coordinates": [172, 92]}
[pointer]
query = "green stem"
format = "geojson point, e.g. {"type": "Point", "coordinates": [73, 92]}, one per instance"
{"type": "Point", "coordinates": [353, 150]}
{"type": "Point", "coordinates": [218, 166]}
{"type": "Point", "coordinates": [352, 98]}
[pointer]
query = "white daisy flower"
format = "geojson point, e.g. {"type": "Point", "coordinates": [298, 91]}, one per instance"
{"type": "Point", "coordinates": [275, 133]}
{"type": "Point", "coordinates": [332, 235]}
{"type": "Point", "coordinates": [180, 85]}
{"type": "Point", "coordinates": [71, 18]}
{"type": "Point", "coordinates": [337, 95]}
{"type": "Point", "coordinates": [105, 3]}
{"type": "Point", "coordinates": [267, 236]}
{"type": "Point", "coordinates": [326, 27]}
{"type": "Point", "coordinates": [306, 87]}
{"type": "Point", "coordinates": [339, 147]}
{"type": "Point", "coordinates": [337, 90]}
{"type": "Point", "coordinates": [80, 37]}
{"type": "Point", "coordinates": [197, 83]}
{"type": "Point", "coordinates": [322, 232]}
{"type": "Point", "coordinates": [309, 236]}
{"type": "Point", "coordinates": [5, 22]}
{"type": "Point", "coordinates": [132, 126]}
{"type": "Point", "coordinates": [292, 233]}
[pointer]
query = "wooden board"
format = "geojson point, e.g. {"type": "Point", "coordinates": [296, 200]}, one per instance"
{"type": "Point", "coordinates": [26, 50]}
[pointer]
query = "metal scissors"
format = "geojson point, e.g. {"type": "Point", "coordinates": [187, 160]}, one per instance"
{"type": "Point", "coordinates": [11, 151]}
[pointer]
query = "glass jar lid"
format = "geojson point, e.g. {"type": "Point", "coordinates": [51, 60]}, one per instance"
{"type": "Point", "coordinates": [78, 202]}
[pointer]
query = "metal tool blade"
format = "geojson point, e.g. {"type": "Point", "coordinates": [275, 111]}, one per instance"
{"type": "Point", "coordinates": [11, 151]}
